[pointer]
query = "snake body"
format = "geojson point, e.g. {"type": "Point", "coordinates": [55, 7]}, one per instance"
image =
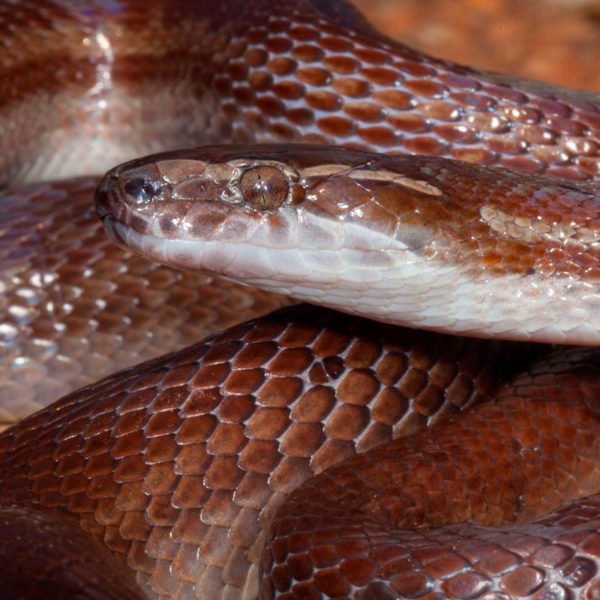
{"type": "Point", "coordinates": [184, 474]}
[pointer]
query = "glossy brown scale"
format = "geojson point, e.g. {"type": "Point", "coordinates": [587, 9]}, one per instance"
{"type": "Point", "coordinates": [177, 470]}
{"type": "Point", "coordinates": [187, 451]}
{"type": "Point", "coordinates": [362, 530]}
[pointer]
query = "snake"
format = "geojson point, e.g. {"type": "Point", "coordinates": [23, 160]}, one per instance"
{"type": "Point", "coordinates": [317, 451]}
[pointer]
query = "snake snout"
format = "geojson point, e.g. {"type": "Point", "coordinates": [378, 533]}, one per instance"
{"type": "Point", "coordinates": [107, 202]}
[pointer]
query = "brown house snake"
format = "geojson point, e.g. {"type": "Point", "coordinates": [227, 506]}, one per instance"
{"type": "Point", "coordinates": [181, 477]}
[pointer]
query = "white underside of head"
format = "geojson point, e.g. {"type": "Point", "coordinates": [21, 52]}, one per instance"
{"type": "Point", "coordinates": [397, 286]}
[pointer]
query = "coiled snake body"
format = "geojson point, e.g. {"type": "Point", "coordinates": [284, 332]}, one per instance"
{"type": "Point", "coordinates": [287, 456]}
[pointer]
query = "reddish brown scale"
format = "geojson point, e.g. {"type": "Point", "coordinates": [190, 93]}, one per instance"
{"type": "Point", "coordinates": [337, 126]}
{"type": "Point", "coordinates": [307, 53]}
{"type": "Point", "coordinates": [281, 66]}
{"type": "Point", "coordinates": [322, 100]}
{"type": "Point", "coordinates": [385, 522]}
{"type": "Point", "coordinates": [188, 450]}
{"type": "Point", "coordinates": [426, 145]}
{"type": "Point", "coordinates": [300, 116]}
{"type": "Point", "coordinates": [349, 86]}
{"type": "Point", "coordinates": [364, 111]}
{"type": "Point", "coordinates": [382, 135]}
{"type": "Point", "coordinates": [409, 123]}
{"type": "Point", "coordinates": [341, 64]}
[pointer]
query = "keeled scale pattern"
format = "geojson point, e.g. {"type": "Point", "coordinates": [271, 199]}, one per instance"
{"type": "Point", "coordinates": [400, 520]}
{"type": "Point", "coordinates": [74, 307]}
{"type": "Point", "coordinates": [178, 465]}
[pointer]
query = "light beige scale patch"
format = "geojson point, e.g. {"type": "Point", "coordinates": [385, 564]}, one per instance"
{"type": "Point", "coordinates": [369, 175]}
{"type": "Point", "coordinates": [532, 230]}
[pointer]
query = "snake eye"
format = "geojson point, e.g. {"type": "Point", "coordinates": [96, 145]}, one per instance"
{"type": "Point", "coordinates": [143, 190]}
{"type": "Point", "coordinates": [264, 188]}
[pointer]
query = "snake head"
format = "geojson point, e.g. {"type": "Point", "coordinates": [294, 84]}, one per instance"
{"type": "Point", "coordinates": [410, 239]}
